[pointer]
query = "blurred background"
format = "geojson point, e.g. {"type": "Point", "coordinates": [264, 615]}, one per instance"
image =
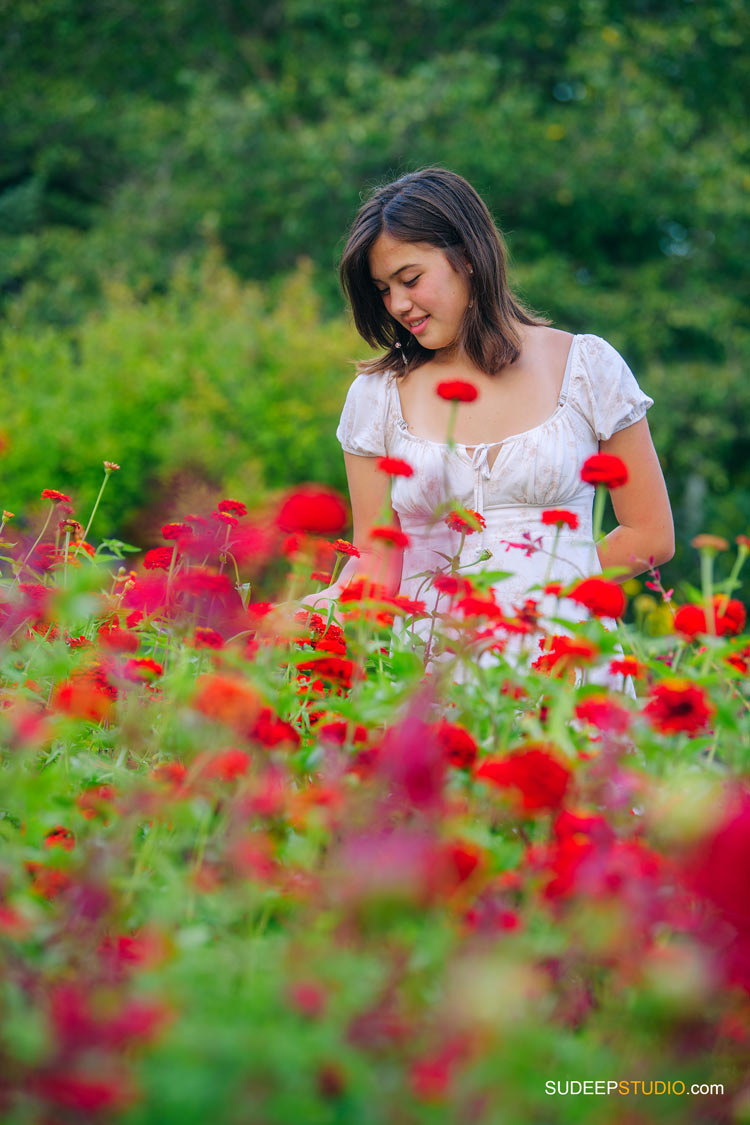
{"type": "Point", "coordinates": [176, 181]}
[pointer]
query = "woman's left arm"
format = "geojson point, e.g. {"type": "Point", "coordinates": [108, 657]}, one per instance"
{"type": "Point", "coordinates": [645, 532]}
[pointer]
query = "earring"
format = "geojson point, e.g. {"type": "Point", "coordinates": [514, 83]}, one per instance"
{"type": "Point", "coordinates": [403, 356]}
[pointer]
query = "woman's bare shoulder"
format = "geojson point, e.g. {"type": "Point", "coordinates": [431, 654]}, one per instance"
{"type": "Point", "coordinates": [544, 344]}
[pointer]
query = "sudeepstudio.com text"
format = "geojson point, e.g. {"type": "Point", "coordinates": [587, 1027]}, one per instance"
{"type": "Point", "coordinates": [625, 1087]}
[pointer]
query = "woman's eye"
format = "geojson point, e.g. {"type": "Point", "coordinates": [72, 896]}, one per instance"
{"type": "Point", "coordinates": [412, 281]}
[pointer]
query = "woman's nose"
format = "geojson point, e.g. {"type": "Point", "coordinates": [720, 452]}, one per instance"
{"type": "Point", "coordinates": [400, 301]}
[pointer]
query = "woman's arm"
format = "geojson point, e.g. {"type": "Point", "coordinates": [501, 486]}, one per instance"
{"type": "Point", "coordinates": [369, 493]}
{"type": "Point", "coordinates": [645, 529]}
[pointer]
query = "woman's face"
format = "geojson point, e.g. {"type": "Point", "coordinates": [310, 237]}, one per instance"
{"type": "Point", "coordinates": [420, 289]}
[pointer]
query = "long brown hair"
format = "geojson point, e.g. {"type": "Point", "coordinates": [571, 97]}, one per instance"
{"type": "Point", "coordinates": [442, 209]}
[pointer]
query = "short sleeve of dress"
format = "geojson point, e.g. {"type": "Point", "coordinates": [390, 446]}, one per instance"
{"type": "Point", "coordinates": [610, 396]}
{"type": "Point", "coordinates": [362, 427]}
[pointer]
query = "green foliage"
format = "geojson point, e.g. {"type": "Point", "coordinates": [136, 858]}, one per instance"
{"type": "Point", "coordinates": [214, 387]}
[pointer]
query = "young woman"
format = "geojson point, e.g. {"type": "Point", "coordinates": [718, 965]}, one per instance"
{"type": "Point", "coordinates": [424, 271]}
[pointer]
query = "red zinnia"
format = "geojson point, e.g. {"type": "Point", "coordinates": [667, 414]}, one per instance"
{"type": "Point", "coordinates": [605, 468]}
{"type": "Point", "coordinates": [559, 517]}
{"type": "Point", "coordinates": [600, 596]}
{"type": "Point", "coordinates": [626, 666]}
{"type": "Point", "coordinates": [603, 712]}
{"type": "Point", "coordinates": [562, 652]}
{"type": "Point", "coordinates": [729, 618]}
{"type": "Point", "coordinates": [227, 765]}
{"type": "Point", "coordinates": [232, 507]}
{"type": "Point", "coordinates": [678, 705]}
{"type": "Point", "coordinates": [55, 496]}
{"type": "Point", "coordinates": [540, 778]}
{"type": "Point", "coordinates": [457, 744]}
{"type": "Point", "coordinates": [451, 585]}
{"type": "Point", "coordinates": [142, 670]}
{"type": "Point", "coordinates": [176, 530]}
{"type": "Point", "coordinates": [392, 535]}
{"type": "Point", "coordinates": [457, 521]}
{"type": "Point", "coordinates": [395, 467]}
{"type": "Point", "coordinates": [312, 509]}
{"type": "Point", "coordinates": [60, 837]}
{"type": "Point", "coordinates": [158, 558]}
{"type": "Point", "coordinates": [457, 390]}
{"type": "Point", "coordinates": [344, 547]}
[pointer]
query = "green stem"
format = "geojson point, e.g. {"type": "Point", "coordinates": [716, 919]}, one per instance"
{"type": "Point", "coordinates": [93, 513]}
{"type": "Point", "coordinates": [599, 501]}
{"type": "Point", "coordinates": [38, 539]}
{"type": "Point", "coordinates": [707, 585]}
{"type": "Point", "coordinates": [65, 564]}
{"type": "Point", "coordinates": [732, 581]}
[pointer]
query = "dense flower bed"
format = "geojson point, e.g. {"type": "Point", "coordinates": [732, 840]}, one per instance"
{"type": "Point", "coordinates": [258, 864]}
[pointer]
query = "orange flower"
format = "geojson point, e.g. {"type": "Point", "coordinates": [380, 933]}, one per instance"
{"type": "Point", "coordinates": [229, 699]}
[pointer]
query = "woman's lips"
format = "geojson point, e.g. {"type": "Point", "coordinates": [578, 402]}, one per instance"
{"type": "Point", "coordinates": [418, 326]}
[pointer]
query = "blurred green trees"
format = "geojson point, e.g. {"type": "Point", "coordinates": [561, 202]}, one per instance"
{"type": "Point", "coordinates": [609, 139]}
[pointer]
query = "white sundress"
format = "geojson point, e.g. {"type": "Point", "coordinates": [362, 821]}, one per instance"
{"type": "Point", "coordinates": [532, 471]}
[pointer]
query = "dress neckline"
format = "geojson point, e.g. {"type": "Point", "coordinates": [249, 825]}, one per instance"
{"type": "Point", "coordinates": [561, 401]}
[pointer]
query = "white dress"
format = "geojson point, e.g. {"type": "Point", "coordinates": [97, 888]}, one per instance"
{"type": "Point", "coordinates": [530, 472]}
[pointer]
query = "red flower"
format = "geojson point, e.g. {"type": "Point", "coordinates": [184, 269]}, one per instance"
{"type": "Point", "coordinates": [457, 744]}
{"type": "Point", "coordinates": [560, 517]}
{"type": "Point", "coordinates": [96, 801]}
{"type": "Point", "coordinates": [474, 606]}
{"type": "Point", "coordinates": [344, 547]}
{"type": "Point", "coordinates": [718, 871]}
{"type": "Point", "coordinates": [451, 585]}
{"type": "Point", "coordinates": [603, 712]}
{"type": "Point", "coordinates": [87, 695]}
{"type": "Point", "coordinates": [232, 507]}
{"type": "Point", "coordinates": [740, 661]}
{"type": "Point", "coordinates": [60, 837]}
{"type": "Point", "coordinates": [339, 731]}
{"type": "Point", "coordinates": [678, 705]}
{"type": "Point", "coordinates": [457, 521]}
{"type": "Point", "coordinates": [272, 731]}
{"type": "Point", "coordinates": [176, 530]}
{"type": "Point", "coordinates": [85, 1093]}
{"type": "Point", "coordinates": [562, 653]}
{"type": "Point", "coordinates": [312, 509]}
{"type": "Point", "coordinates": [224, 517]}
{"type": "Point", "coordinates": [729, 618]}
{"type": "Point", "coordinates": [540, 778]}
{"type": "Point", "coordinates": [404, 604]}
{"type": "Point", "coordinates": [360, 589]}
{"type": "Point", "coordinates": [392, 535]}
{"type": "Point", "coordinates": [205, 637]}
{"type": "Point", "coordinates": [307, 998]}
{"type": "Point", "coordinates": [55, 496]}
{"type": "Point", "coordinates": [158, 558]}
{"type": "Point", "coordinates": [626, 666]}
{"type": "Point", "coordinates": [142, 670]}
{"type": "Point", "coordinates": [112, 636]}
{"type": "Point", "coordinates": [395, 467]}
{"type": "Point", "coordinates": [335, 669]}
{"type": "Point", "coordinates": [227, 765]}
{"type": "Point", "coordinates": [228, 699]}
{"type": "Point", "coordinates": [606, 469]}
{"type": "Point", "coordinates": [457, 390]}
{"type": "Point", "coordinates": [600, 597]}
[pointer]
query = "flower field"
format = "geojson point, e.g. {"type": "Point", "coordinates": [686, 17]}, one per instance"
{"type": "Point", "coordinates": [263, 864]}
